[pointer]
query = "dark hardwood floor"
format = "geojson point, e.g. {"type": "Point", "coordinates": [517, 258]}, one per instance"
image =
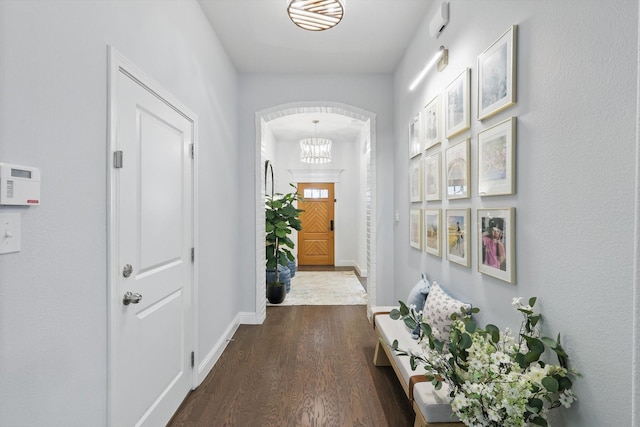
{"type": "Point", "coordinates": [305, 366]}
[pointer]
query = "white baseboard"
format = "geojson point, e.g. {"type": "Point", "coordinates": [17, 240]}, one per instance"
{"type": "Point", "coordinates": [361, 272]}
{"type": "Point", "coordinates": [207, 364]}
{"type": "Point", "coordinates": [249, 318]}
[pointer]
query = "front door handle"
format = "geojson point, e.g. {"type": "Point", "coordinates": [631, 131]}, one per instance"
{"type": "Point", "coordinates": [331, 225]}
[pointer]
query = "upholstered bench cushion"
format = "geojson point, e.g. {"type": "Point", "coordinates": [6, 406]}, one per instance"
{"type": "Point", "coordinates": [390, 330]}
{"type": "Point", "coordinates": [434, 404]}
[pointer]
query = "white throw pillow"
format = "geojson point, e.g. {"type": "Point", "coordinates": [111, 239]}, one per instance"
{"type": "Point", "coordinates": [438, 310]}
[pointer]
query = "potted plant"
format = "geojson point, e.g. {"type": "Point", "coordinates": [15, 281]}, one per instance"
{"type": "Point", "coordinates": [281, 216]}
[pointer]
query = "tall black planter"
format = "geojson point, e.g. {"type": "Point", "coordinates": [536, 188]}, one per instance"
{"type": "Point", "coordinates": [276, 293]}
{"type": "Point", "coordinates": [284, 276]}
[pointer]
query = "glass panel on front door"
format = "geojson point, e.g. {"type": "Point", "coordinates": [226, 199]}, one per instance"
{"type": "Point", "coordinates": [315, 193]}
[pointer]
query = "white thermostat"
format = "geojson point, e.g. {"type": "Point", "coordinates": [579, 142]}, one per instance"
{"type": "Point", "coordinates": [19, 185]}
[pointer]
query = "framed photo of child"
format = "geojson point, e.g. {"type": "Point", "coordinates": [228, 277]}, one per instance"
{"type": "Point", "coordinates": [496, 243]}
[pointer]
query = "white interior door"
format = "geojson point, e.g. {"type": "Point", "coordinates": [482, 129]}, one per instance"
{"type": "Point", "coordinates": [151, 256]}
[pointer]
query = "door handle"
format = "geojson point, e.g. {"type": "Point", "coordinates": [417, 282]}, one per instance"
{"type": "Point", "coordinates": [131, 298]}
{"type": "Point", "coordinates": [331, 225]}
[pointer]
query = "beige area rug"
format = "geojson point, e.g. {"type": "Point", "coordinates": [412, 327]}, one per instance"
{"type": "Point", "coordinates": [325, 288]}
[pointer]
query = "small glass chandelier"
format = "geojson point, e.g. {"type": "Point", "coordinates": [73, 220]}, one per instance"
{"type": "Point", "coordinates": [315, 150]}
{"type": "Point", "coordinates": [316, 15]}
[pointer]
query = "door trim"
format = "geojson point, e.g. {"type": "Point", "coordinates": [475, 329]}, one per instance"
{"type": "Point", "coordinates": [116, 63]}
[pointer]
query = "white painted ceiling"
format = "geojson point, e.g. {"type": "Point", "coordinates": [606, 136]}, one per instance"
{"type": "Point", "coordinates": [260, 38]}
{"type": "Point", "coordinates": [336, 127]}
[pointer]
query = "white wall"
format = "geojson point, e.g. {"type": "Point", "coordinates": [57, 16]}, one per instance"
{"type": "Point", "coordinates": [53, 115]}
{"type": "Point", "coordinates": [371, 92]}
{"type": "Point", "coordinates": [576, 151]}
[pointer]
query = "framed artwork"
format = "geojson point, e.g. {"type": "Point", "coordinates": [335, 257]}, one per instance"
{"type": "Point", "coordinates": [457, 223]}
{"type": "Point", "coordinates": [432, 231]}
{"type": "Point", "coordinates": [497, 75]}
{"type": "Point", "coordinates": [496, 243]}
{"type": "Point", "coordinates": [457, 108]}
{"type": "Point", "coordinates": [457, 170]}
{"type": "Point", "coordinates": [415, 180]}
{"type": "Point", "coordinates": [415, 228]}
{"type": "Point", "coordinates": [496, 159]}
{"type": "Point", "coordinates": [432, 174]}
{"type": "Point", "coordinates": [431, 123]}
{"type": "Point", "coordinates": [415, 146]}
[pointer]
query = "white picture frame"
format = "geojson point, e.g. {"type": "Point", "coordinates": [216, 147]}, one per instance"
{"type": "Point", "coordinates": [497, 158]}
{"type": "Point", "coordinates": [432, 231]}
{"type": "Point", "coordinates": [432, 123]}
{"type": "Point", "coordinates": [457, 225]}
{"type": "Point", "coordinates": [457, 104]}
{"type": "Point", "coordinates": [415, 228]}
{"type": "Point", "coordinates": [457, 170]}
{"type": "Point", "coordinates": [497, 74]}
{"type": "Point", "coordinates": [415, 143]}
{"type": "Point", "coordinates": [496, 243]}
{"type": "Point", "coordinates": [415, 180]}
{"type": "Point", "coordinates": [432, 171]}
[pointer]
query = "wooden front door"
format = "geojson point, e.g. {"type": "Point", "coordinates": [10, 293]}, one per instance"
{"type": "Point", "coordinates": [315, 241]}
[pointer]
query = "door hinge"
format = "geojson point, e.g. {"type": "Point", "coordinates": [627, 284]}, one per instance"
{"type": "Point", "coordinates": [117, 159]}
{"type": "Point", "coordinates": [193, 255]}
{"type": "Point", "coordinates": [193, 359]}
{"type": "Point", "coordinates": [193, 151]}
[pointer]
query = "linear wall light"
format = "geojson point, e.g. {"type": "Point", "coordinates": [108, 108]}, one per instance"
{"type": "Point", "coordinates": [441, 58]}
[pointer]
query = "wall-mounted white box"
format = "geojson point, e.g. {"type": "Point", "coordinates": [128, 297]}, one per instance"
{"type": "Point", "coordinates": [19, 185]}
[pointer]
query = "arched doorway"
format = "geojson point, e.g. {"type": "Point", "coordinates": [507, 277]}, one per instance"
{"type": "Point", "coordinates": [263, 118]}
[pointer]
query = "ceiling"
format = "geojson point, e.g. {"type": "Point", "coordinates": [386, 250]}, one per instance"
{"type": "Point", "coordinates": [333, 126]}
{"type": "Point", "coordinates": [260, 38]}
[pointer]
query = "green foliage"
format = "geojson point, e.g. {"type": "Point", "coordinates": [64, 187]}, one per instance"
{"type": "Point", "coordinates": [495, 379]}
{"type": "Point", "coordinates": [281, 216]}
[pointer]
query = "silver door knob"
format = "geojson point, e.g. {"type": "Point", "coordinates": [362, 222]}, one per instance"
{"type": "Point", "coordinates": [131, 298]}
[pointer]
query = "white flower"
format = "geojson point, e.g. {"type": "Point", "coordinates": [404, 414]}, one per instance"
{"type": "Point", "coordinates": [500, 358]}
{"type": "Point", "coordinates": [516, 302]}
{"type": "Point", "coordinates": [566, 398]}
{"type": "Point", "coordinates": [536, 373]}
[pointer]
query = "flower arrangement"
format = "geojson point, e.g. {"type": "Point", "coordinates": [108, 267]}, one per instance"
{"type": "Point", "coordinates": [494, 378]}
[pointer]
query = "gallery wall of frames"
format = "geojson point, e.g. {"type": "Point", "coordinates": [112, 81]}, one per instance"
{"type": "Point", "coordinates": [439, 165]}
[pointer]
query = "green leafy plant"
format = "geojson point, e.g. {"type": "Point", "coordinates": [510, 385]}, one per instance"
{"type": "Point", "coordinates": [281, 216]}
{"type": "Point", "coordinates": [493, 378]}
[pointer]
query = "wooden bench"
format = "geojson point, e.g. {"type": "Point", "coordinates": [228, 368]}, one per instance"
{"type": "Point", "coordinates": [431, 406]}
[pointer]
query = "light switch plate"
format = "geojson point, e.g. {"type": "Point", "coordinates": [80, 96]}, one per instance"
{"type": "Point", "coordinates": [9, 233]}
